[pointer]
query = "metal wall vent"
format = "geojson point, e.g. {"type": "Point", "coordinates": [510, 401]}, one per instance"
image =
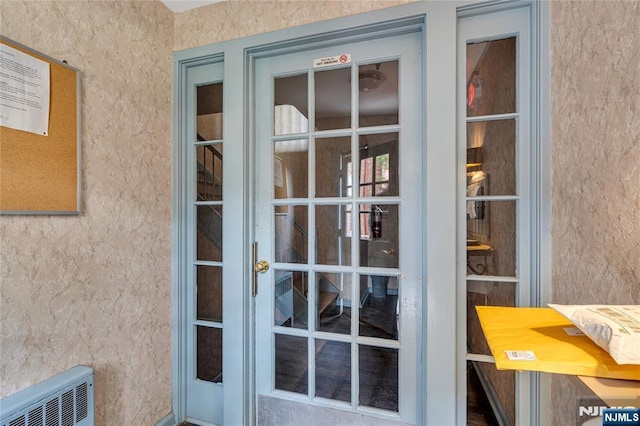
{"type": "Point", "coordinates": [63, 400]}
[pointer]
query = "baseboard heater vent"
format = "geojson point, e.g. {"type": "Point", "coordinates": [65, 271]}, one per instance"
{"type": "Point", "coordinates": [62, 400]}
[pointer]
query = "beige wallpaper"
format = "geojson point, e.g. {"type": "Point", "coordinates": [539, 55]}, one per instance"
{"type": "Point", "coordinates": [95, 289]}
{"type": "Point", "coordinates": [596, 160]}
{"type": "Point", "coordinates": [596, 151]}
{"type": "Point", "coordinates": [239, 18]}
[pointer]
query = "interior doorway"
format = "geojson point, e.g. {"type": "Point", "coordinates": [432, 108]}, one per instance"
{"type": "Point", "coordinates": [338, 195]}
{"type": "Point", "coordinates": [355, 217]}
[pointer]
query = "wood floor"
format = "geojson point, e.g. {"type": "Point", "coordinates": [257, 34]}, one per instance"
{"type": "Point", "coordinates": [479, 412]}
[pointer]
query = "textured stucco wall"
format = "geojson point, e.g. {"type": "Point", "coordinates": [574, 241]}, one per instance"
{"type": "Point", "coordinates": [596, 151]}
{"type": "Point", "coordinates": [240, 18]}
{"type": "Point", "coordinates": [95, 289]}
{"type": "Point", "coordinates": [596, 161]}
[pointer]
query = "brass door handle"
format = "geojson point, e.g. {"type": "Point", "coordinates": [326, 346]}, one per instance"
{"type": "Point", "coordinates": [261, 266]}
{"type": "Point", "coordinates": [254, 258]}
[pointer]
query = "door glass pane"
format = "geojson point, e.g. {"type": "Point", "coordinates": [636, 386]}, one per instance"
{"type": "Point", "coordinates": [485, 293]}
{"type": "Point", "coordinates": [209, 169]}
{"type": "Point", "coordinates": [331, 315]}
{"type": "Point", "coordinates": [209, 239]}
{"type": "Point", "coordinates": [209, 112]}
{"type": "Point", "coordinates": [378, 99]}
{"type": "Point", "coordinates": [332, 156]}
{"type": "Point", "coordinates": [332, 246]}
{"type": "Point", "coordinates": [209, 354]}
{"type": "Point", "coordinates": [491, 238]}
{"type": "Point", "coordinates": [379, 312]}
{"type": "Point", "coordinates": [290, 169]}
{"type": "Point", "coordinates": [378, 377]}
{"type": "Point", "coordinates": [484, 379]}
{"type": "Point", "coordinates": [492, 170]}
{"type": "Point", "coordinates": [333, 370]}
{"type": "Point", "coordinates": [291, 291]}
{"type": "Point", "coordinates": [378, 165]}
{"type": "Point", "coordinates": [209, 293]}
{"type": "Point", "coordinates": [333, 99]}
{"type": "Point", "coordinates": [379, 235]}
{"type": "Point", "coordinates": [491, 158]}
{"type": "Point", "coordinates": [291, 363]}
{"type": "Point", "coordinates": [290, 112]}
{"type": "Point", "coordinates": [291, 234]}
{"type": "Point", "coordinates": [491, 77]}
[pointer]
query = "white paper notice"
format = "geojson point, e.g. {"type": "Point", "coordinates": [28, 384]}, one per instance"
{"type": "Point", "coordinates": [24, 91]}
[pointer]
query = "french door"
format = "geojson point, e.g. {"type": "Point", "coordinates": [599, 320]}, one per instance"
{"type": "Point", "coordinates": [338, 226]}
{"type": "Point", "coordinates": [496, 198]}
{"type": "Point", "coordinates": [339, 153]}
{"type": "Point", "coordinates": [205, 269]}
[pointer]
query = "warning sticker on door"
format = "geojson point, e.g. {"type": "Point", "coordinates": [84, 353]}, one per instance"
{"type": "Point", "coordinates": [345, 58]}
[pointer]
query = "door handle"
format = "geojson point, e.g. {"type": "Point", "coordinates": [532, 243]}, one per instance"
{"type": "Point", "coordinates": [261, 266]}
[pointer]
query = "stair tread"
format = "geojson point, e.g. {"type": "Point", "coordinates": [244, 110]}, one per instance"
{"type": "Point", "coordinates": [324, 300]}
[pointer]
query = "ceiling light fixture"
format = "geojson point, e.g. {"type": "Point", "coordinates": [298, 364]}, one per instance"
{"type": "Point", "coordinates": [370, 80]}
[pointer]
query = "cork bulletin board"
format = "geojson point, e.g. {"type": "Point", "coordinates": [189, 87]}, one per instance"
{"type": "Point", "coordinates": [40, 174]}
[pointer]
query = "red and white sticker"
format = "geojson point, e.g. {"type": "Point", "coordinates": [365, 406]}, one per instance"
{"type": "Point", "coordinates": [345, 58]}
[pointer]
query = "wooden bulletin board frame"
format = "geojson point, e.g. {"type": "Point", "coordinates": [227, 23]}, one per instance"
{"type": "Point", "coordinates": [40, 175]}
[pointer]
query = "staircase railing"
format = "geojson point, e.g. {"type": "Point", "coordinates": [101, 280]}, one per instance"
{"type": "Point", "coordinates": [211, 224]}
{"type": "Point", "coordinates": [324, 283]}
{"type": "Point", "coordinates": [206, 188]}
{"type": "Point", "coordinates": [209, 180]}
